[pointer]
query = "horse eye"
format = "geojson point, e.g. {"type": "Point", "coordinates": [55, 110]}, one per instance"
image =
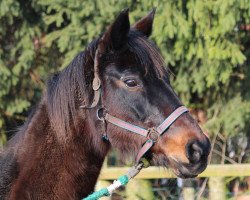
{"type": "Point", "coordinates": [131, 83]}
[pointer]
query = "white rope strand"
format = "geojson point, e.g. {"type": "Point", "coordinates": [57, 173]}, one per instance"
{"type": "Point", "coordinates": [116, 184]}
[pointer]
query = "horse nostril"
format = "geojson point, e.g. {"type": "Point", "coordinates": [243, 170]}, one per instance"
{"type": "Point", "coordinates": [194, 151]}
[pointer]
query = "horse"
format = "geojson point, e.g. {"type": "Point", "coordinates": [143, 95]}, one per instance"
{"type": "Point", "coordinates": [59, 151]}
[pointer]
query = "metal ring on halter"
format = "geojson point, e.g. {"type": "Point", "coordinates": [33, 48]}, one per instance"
{"type": "Point", "coordinates": [100, 113]}
{"type": "Point", "coordinates": [153, 134]}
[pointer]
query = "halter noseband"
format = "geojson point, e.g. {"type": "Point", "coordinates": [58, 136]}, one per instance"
{"type": "Point", "coordinates": [152, 134]}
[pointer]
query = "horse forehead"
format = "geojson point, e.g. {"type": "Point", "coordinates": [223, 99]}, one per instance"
{"type": "Point", "coordinates": [131, 62]}
{"type": "Point", "coordinates": [124, 67]}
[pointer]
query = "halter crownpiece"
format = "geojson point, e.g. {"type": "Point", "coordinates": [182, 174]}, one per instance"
{"type": "Point", "coordinates": [96, 84]}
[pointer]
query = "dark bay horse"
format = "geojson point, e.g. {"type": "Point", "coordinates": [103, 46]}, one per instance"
{"type": "Point", "coordinates": [59, 152]}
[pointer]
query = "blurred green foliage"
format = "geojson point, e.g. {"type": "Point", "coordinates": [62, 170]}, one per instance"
{"type": "Point", "coordinates": [205, 43]}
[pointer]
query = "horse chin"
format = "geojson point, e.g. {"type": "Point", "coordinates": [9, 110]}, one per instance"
{"type": "Point", "coordinates": [179, 173]}
{"type": "Point", "coordinates": [180, 169]}
{"type": "Point", "coordinates": [187, 170]}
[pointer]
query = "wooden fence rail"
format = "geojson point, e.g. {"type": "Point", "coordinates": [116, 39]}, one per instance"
{"type": "Point", "coordinates": [230, 170]}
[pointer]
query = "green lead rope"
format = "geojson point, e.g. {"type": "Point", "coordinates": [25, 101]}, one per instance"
{"type": "Point", "coordinates": [96, 195]}
{"type": "Point", "coordinates": [121, 181]}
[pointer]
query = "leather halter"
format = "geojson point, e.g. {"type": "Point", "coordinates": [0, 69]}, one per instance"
{"type": "Point", "coordinates": [152, 134]}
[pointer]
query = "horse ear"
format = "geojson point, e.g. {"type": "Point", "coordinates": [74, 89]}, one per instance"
{"type": "Point", "coordinates": [145, 25]}
{"type": "Point", "coordinates": [116, 35]}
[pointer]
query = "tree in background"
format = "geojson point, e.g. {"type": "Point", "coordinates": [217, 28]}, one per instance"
{"type": "Point", "coordinates": [206, 44]}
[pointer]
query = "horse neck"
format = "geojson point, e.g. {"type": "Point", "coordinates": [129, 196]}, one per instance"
{"type": "Point", "coordinates": [70, 168]}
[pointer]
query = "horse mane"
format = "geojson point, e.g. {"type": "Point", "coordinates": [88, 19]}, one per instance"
{"type": "Point", "coordinates": [72, 86]}
{"type": "Point", "coordinates": [69, 88]}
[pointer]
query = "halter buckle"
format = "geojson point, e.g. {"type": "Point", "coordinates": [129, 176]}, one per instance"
{"type": "Point", "coordinates": [153, 134]}
{"type": "Point", "coordinates": [100, 113]}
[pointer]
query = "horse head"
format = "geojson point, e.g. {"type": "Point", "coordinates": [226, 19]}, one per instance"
{"type": "Point", "coordinates": [136, 92]}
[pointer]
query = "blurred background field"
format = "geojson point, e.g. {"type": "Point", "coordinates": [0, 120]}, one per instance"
{"type": "Point", "coordinates": [206, 44]}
